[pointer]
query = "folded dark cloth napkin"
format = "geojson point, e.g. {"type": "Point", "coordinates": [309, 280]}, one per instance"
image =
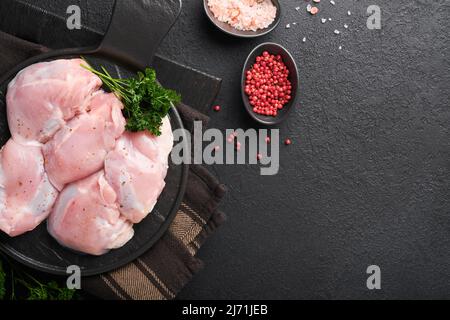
{"type": "Point", "coordinates": [167, 267]}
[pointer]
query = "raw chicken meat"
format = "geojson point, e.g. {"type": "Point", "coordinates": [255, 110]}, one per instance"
{"type": "Point", "coordinates": [157, 148]}
{"type": "Point", "coordinates": [136, 170]}
{"type": "Point", "coordinates": [45, 95]}
{"type": "Point", "coordinates": [68, 135]}
{"type": "Point", "coordinates": [26, 195]}
{"type": "Point", "coordinates": [80, 147]}
{"type": "Point", "coordinates": [86, 217]}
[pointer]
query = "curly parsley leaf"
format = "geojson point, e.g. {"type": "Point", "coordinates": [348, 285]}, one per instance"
{"type": "Point", "coordinates": [146, 101]}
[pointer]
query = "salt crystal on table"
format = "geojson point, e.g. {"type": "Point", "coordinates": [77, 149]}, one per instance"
{"type": "Point", "coordinates": [345, 26]}
{"type": "Point", "coordinates": [324, 20]}
{"type": "Point", "coordinates": [349, 13]}
{"type": "Point", "coordinates": [304, 39]}
{"type": "Point", "coordinates": [288, 26]}
{"type": "Point", "coordinates": [337, 31]}
{"type": "Point", "coordinates": [332, 2]}
{"type": "Point", "coordinates": [308, 8]}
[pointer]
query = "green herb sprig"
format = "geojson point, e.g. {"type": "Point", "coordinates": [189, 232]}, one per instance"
{"type": "Point", "coordinates": [146, 101]}
{"type": "Point", "coordinates": [2, 281]}
{"type": "Point", "coordinates": [28, 287]}
{"type": "Point", "coordinates": [46, 291]}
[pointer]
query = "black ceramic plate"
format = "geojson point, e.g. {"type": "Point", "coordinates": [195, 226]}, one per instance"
{"type": "Point", "coordinates": [225, 27]}
{"type": "Point", "coordinates": [120, 55]}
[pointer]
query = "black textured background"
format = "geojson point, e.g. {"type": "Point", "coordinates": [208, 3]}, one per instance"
{"type": "Point", "coordinates": [367, 179]}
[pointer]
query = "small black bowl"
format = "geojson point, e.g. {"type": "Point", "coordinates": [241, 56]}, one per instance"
{"type": "Point", "coordinates": [225, 27]}
{"type": "Point", "coordinates": [289, 61]}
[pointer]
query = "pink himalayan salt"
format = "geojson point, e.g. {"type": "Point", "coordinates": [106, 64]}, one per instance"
{"type": "Point", "coordinates": [246, 15]}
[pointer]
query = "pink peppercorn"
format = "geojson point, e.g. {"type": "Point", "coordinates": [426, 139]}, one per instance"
{"type": "Point", "coordinates": [267, 85]}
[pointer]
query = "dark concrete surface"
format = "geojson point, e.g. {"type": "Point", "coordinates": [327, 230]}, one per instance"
{"type": "Point", "coordinates": [367, 178]}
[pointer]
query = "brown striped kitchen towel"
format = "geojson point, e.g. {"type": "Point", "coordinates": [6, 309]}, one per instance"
{"type": "Point", "coordinates": [166, 268]}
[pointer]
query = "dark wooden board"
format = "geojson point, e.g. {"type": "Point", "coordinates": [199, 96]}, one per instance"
{"type": "Point", "coordinates": [18, 18]}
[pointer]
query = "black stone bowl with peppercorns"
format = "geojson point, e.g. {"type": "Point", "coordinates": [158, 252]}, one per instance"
{"type": "Point", "coordinates": [269, 83]}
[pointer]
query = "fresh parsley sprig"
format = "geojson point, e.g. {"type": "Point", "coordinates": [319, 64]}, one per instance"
{"type": "Point", "coordinates": [146, 101]}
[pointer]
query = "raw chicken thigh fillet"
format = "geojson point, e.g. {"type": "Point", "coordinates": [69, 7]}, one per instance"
{"type": "Point", "coordinates": [80, 147]}
{"type": "Point", "coordinates": [26, 195]}
{"type": "Point", "coordinates": [86, 217]}
{"type": "Point", "coordinates": [71, 161]}
{"type": "Point", "coordinates": [44, 95]}
{"type": "Point", "coordinates": [136, 169]}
